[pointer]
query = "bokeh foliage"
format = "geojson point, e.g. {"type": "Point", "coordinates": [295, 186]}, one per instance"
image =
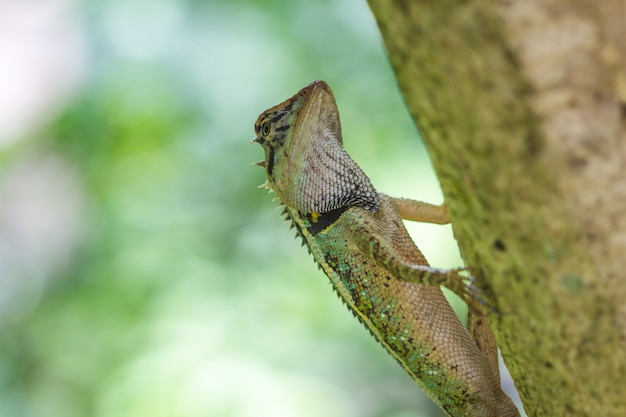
{"type": "Point", "coordinates": [185, 294]}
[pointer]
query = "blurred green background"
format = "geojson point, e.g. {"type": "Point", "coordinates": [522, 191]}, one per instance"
{"type": "Point", "coordinates": [142, 273]}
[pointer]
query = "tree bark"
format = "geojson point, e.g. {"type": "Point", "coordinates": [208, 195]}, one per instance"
{"type": "Point", "coordinates": [522, 105]}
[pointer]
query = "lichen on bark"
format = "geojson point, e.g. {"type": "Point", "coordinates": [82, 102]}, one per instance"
{"type": "Point", "coordinates": [522, 108]}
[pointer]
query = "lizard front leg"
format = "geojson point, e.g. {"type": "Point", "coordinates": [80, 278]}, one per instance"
{"type": "Point", "coordinates": [385, 255]}
{"type": "Point", "coordinates": [423, 212]}
{"type": "Point", "coordinates": [419, 211]}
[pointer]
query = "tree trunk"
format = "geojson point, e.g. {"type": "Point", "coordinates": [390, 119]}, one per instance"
{"type": "Point", "coordinates": [522, 105]}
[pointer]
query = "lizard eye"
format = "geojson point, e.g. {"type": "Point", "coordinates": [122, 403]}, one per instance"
{"type": "Point", "coordinates": [265, 129]}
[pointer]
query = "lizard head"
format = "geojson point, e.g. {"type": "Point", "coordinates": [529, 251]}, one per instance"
{"type": "Point", "coordinates": [305, 162]}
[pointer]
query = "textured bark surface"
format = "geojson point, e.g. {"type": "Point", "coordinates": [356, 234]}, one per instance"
{"type": "Point", "coordinates": [522, 105]}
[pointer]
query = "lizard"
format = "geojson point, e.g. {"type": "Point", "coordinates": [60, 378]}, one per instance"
{"type": "Point", "coordinates": [357, 237]}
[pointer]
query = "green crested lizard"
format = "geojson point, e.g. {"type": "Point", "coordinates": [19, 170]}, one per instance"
{"type": "Point", "coordinates": [357, 237]}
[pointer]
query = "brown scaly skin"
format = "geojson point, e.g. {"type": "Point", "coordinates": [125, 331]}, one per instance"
{"type": "Point", "coordinates": [357, 237]}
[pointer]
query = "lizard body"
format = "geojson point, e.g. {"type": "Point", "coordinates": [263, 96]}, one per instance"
{"type": "Point", "coordinates": [357, 237]}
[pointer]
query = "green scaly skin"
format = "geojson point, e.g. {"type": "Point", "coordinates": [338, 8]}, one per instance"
{"type": "Point", "coordinates": [357, 237]}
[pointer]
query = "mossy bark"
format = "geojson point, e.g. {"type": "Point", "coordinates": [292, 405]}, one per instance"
{"type": "Point", "coordinates": [522, 105]}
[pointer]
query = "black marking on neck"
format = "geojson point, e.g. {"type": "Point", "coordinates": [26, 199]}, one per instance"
{"type": "Point", "coordinates": [270, 162]}
{"type": "Point", "coordinates": [324, 220]}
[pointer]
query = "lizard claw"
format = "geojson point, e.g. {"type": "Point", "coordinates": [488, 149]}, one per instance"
{"type": "Point", "coordinates": [478, 298]}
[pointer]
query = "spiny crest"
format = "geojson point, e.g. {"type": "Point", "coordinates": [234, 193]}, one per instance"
{"type": "Point", "coordinates": [305, 162]}
{"type": "Point", "coordinates": [292, 225]}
